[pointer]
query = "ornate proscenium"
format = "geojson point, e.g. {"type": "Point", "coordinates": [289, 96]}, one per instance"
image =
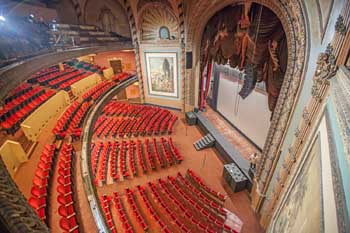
{"type": "Point", "coordinates": [340, 26]}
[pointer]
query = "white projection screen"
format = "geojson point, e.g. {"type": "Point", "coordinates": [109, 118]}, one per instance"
{"type": "Point", "coordinates": [251, 115]}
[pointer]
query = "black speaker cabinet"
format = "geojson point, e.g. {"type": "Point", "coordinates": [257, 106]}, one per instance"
{"type": "Point", "coordinates": [191, 118]}
{"type": "Point", "coordinates": [189, 60]}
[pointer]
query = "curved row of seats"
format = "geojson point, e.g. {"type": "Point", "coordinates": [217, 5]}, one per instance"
{"type": "Point", "coordinates": [71, 120]}
{"type": "Point", "coordinates": [97, 91]}
{"type": "Point", "coordinates": [66, 200]}
{"type": "Point", "coordinates": [121, 77]}
{"type": "Point", "coordinates": [17, 110]}
{"type": "Point", "coordinates": [40, 191]}
{"type": "Point", "coordinates": [176, 204]}
{"type": "Point", "coordinates": [127, 158]}
{"type": "Point", "coordinates": [130, 119]}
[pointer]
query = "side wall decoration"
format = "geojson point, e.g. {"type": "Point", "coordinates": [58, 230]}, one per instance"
{"type": "Point", "coordinates": [162, 73]}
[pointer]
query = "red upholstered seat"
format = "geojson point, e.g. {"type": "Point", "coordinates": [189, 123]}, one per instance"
{"type": "Point", "coordinates": [69, 224]}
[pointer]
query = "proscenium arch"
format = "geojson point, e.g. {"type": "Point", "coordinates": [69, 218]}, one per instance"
{"type": "Point", "coordinates": [294, 22]}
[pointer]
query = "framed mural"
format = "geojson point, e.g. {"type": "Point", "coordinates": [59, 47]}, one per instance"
{"type": "Point", "coordinates": [162, 73]}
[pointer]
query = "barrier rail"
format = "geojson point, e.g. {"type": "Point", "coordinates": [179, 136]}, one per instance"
{"type": "Point", "coordinates": [86, 171]}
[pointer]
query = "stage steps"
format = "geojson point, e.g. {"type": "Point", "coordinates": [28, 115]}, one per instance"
{"type": "Point", "coordinates": [205, 142]}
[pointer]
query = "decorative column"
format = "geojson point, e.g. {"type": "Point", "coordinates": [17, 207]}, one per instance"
{"type": "Point", "coordinates": [137, 48]}
{"type": "Point", "coordinates": [326, 69]}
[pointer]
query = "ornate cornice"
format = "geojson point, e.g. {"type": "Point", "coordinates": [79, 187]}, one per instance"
{"type": "Point", "coordinates": [325, 70]}
{"type": "Point", "coordinates": [340, 26]}
{"type": "Point", "coordinates": [18, 216]}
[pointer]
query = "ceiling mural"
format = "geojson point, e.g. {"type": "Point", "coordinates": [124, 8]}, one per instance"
{"type": "Point", "coordinates": [158, 23]}
{"type": "Point", "coordinates": [249, 37]}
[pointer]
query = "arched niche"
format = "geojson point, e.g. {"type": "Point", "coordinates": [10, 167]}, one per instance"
{"type": "Point", "coordinates": [153, 17]}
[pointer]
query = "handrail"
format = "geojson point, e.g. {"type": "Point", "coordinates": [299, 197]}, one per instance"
{"type": "Point", "coordinates": [86, 171]}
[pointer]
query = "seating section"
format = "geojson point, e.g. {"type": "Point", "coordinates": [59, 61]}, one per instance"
{"type": "Point", "coordinates": [129, 159]}
{"type": "Point", "coordinates": [126, 120]}
{"type": "Point", "coordinates": [15, 111]}
{"type": "Point", "coordinates": [97, 91]}
{"type": "Point", "coordinates": [122, 214]}
{"type": "Point", "coordinates": [70, 122]}
{"type": "Point", "coordinates": [66, 200]}
{"type": "Point", "coordinates": [176, 204]}
{"type": "Point", "coordinates": [105, 204]}
{"type": "Point", "coordinates": [42, 180]}
{"type": "Point", "coordinates": [121, 77]}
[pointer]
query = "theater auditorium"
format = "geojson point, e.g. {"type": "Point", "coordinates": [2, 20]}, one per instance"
{"type": "Point", "coordinates": [165, 116]}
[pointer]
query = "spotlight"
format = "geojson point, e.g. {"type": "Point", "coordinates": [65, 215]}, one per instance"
{"type": "Point", "coordinates": [31, 16]}
{"type": "Point", "coordinates": [2, 18]}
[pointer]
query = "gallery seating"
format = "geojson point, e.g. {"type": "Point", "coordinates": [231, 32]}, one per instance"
{"type": "Point", "coordinates": [121, 77]}
{"type": "Point", "coordinates": [17, 110]}
{"type": "Point", "coordinates": [42, 182]}
{"type": "Point", "coordinates": [135, 209]}
{"type": "Point", "coordinates": [97, 91]}
{"type": "Point", "coordinates": [71, 120]}
{"type": "Point", "coordinates": [66, 208]}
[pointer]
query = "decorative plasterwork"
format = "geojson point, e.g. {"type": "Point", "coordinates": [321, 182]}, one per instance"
{"type": "Point", "coordinates": [291, 14]}
{"type": "Point", "coordinates": [326, 69]}
{"type": "Point", "coordinates": [135, 41]}
{"type": "Point", "coordinates": [340, 26]}
{"type": "Point", "coordinates": [154, 17]}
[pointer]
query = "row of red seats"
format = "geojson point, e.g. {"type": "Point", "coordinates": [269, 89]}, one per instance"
{"type": "Point", "coordinates": [95, 155]}
{"type": "Point", "coordinates": [105, 202]}
{"type": "Point", "coordinates": [18, 91]}
{"type": "Point", "coordinates": [150, 156]}
{"type": "Point", "coordinates": [121, 77]}
{"type": "Point", "coordinates": [116, 108]}
{"type": "Point", "coordinates": [201, 201]}
{"type": "Point", "coordinates": [122, 215]}
{"type": "Point", "coordinates": [66, 209]}
{"type": "Point", "coordinates": [11, 122]}
{"type": "Point", "coordinates": [161, 223]}
{"type": "Point", "coordinates": [165, 151]}
{"type": "Point", "coordinates": [44, 80]}
{"type": "Point", "coordinates": [102, 125]}
{"type": "Point", "coordinates": [113, 161]}
{"type": "Point", "coordinates": [122, 159]}
{"type": "Point", "coordinates": [44, 72]}
{"type": "Point", "coordinates": [140, 157]}
{"type": "Point", "coordinates": [103, 161]}
{"type": "Point", "coordinates": [44, 76]}
{"type": "Point", "coordinates": [200, 207]}
{"type": "Point", "coordinates": [135, 209]}
{"type": "Point", "coordinates": [201, 184]}
{"type": "Point", "coordinates": [165, 206]}
{"type": "Point", "coordinates": [97, 91]}
{"type": "Point", "coordinates": [67, 83]}
{"type": "Point", "coordinates": [64, 120]}
{"type": "Point", "coordinates": [19, 102]}
{"type": "Point", "coordinates": [171, 124]}
{"type": "Point", "coordinates": [198, 216]}
{"type": "Point", "coordinates": [158, 156]}
{"type": "Point", "coordinates": [78, 118]}
{"type": "Point", "coordinates": [132, 163]}
{"type": "Point", "coordinates": [175, 151]}
{"type": "Point", "coordinates": [55, 83]}
{"type": "Point", "coordinates": [214, 204]}
{"type": "Point", "coordinates": [41, 182]}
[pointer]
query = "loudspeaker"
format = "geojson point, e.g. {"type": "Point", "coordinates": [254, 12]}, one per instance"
{"type": "Point", "coordinates": [189, 60]}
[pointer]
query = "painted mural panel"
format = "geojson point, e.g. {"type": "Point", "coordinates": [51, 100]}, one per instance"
{"type": "Point", "coordinates": [162, 74]}
{"type": "Point", "coordinates": [301, 211]}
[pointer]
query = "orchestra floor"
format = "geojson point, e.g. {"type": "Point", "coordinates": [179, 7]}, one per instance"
{"type": "Point", "coordinates": [206, 164]}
